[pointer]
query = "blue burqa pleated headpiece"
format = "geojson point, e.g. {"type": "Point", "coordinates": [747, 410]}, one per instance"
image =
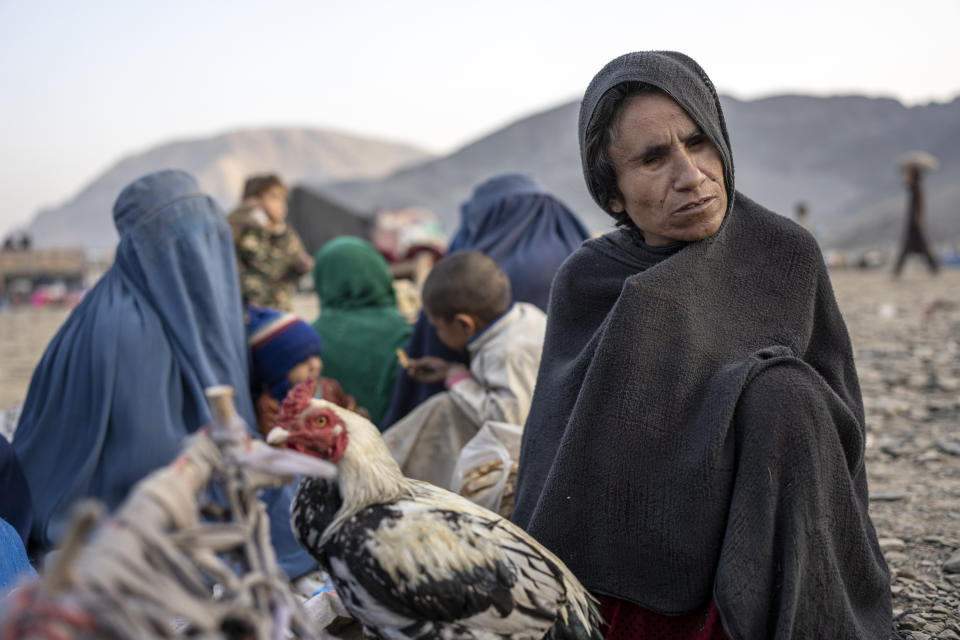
{"type": "Point", "coordinates": [121, 384]}
{"type": "Point", "coordinates": [513, 219]}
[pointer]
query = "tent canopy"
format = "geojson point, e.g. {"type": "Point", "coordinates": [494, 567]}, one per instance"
{"type": "Point", "coordinates": [318, 219]}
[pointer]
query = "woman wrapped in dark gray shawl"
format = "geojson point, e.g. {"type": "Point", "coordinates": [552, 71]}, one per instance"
{"type": "Point", "coordinates": [696, 439]}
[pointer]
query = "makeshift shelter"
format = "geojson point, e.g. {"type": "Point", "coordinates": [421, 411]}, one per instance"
{"type": "Point", "coordinates": [318, 219]}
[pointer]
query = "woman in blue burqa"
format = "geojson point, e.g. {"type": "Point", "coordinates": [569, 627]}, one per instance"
{"type": "Point", "coordinates": [514, 220]}
{"type": "Point", "coordinates": [121, 384]}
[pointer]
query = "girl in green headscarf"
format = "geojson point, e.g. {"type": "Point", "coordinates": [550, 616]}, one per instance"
{"type": "Point", "coordinates": [359, 322]}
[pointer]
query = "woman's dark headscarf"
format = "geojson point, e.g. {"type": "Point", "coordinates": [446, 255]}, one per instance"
{"type": "Point", "coordinates": [697, 431]}
{"type": "Point", "coordinates": [689, 87]}
{"type": "Point", "coordinates": [512, 219]}
{"type": "Point", "coordinates": [121, 384]}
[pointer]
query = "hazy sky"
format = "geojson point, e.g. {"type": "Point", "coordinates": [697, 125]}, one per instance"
{"type": "Point", "coordinates": [86, 83]}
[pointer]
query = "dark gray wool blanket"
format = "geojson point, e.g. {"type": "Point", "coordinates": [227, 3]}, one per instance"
{"type": "Point", "coordinates": [697, 430]}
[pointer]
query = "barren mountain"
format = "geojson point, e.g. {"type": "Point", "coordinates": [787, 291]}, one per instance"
{"type": "Point", "coordinates": [220, 164]}
{"type": "Point", "coordinates": [837, 154]}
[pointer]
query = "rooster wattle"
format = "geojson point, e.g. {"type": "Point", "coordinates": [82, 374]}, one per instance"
{"type": "Point", "coordinates": [411, 560]}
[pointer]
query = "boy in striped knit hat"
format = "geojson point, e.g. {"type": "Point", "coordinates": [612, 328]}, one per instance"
{"type": "Point", "coordinates": [285, 351]}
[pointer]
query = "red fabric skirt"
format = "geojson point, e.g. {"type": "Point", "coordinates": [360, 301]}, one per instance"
{"type": "Point", "coordinates": [625, 621]}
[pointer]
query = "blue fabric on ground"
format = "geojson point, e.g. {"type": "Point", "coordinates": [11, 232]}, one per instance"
{"type": "Point", "coordinates": [13, 557]}
{"type": "Point", "coordinates": [122, 382]}
{"type": "Point", "coordinates": [512, 219]}
{"type": "Point", "coordinates": [15, 504]}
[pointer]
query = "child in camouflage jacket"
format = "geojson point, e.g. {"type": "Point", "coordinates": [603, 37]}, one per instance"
{"type": "Point", "coordinates": [270, 255]}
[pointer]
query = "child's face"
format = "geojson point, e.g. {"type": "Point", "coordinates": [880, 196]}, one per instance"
{"type": "Point", "coordinates": [455, 333]}
{"type": "Point", "coordinates": [274, 203]}
{"type": "Point", "coordinates": [309, 369]}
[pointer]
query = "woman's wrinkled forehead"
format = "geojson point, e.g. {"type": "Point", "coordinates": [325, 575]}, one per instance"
{"type": "Point", "coordinates": [673, 73]}
{"type": "Point", "coordinates": [648, 128]}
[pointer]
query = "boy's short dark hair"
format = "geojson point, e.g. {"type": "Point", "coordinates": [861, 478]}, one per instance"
{"type": "Point", "coordinates": [467, 282]}
{"type": "Point", "coordinates": [256, 186]}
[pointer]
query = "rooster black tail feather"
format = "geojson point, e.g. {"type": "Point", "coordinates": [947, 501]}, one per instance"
{"type": "Point", "coordinates": [574, 629]}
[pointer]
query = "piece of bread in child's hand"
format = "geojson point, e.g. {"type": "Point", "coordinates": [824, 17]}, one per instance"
{"type": "Point", "coordinates": [402, 358]}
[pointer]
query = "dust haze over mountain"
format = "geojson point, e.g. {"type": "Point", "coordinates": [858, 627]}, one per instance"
{"type": "Point", "coordinates": [837, 154]}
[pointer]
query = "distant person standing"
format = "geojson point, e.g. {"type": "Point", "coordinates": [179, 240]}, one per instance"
{"type": "Point", "coordinates": [270, 255]}
{"type": "Point", "coordinates": [914, 165]}
{"type": "Point", "coordinates": [801, 214]}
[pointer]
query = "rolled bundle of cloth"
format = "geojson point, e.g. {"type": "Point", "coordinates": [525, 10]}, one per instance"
{"type": "Point", "coordinates": [920, 160]}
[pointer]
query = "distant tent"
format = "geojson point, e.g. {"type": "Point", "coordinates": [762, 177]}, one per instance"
{"type": "Point", "coordinates": [317, 219]}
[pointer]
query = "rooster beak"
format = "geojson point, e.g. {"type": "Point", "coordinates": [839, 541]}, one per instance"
{"type": "Point", "coordinates": [277, 436]}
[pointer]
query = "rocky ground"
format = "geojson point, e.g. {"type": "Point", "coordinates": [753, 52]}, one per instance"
{"type": "Point", "coordinates": [906, 335]}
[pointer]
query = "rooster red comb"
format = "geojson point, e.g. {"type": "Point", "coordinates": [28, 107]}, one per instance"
{"type": "Point", "coordinates": [296, 401]}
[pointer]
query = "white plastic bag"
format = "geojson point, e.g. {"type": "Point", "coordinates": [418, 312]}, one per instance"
{"type": "Point", "coordinates": [497, 444]}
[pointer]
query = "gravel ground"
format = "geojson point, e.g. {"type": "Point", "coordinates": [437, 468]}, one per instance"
{"type": "Point", "coordinates": [906, 335]}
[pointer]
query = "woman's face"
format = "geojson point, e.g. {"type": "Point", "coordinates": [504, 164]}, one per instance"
{"type": "Point", "coordinates": [670, 174]}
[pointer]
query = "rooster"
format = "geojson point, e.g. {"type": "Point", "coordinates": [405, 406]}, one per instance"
{"type": "Point", "coordinates": [411, 560]}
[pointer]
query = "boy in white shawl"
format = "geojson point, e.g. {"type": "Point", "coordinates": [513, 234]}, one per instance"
{"type": "Point", "coordinates": [467, 298]}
